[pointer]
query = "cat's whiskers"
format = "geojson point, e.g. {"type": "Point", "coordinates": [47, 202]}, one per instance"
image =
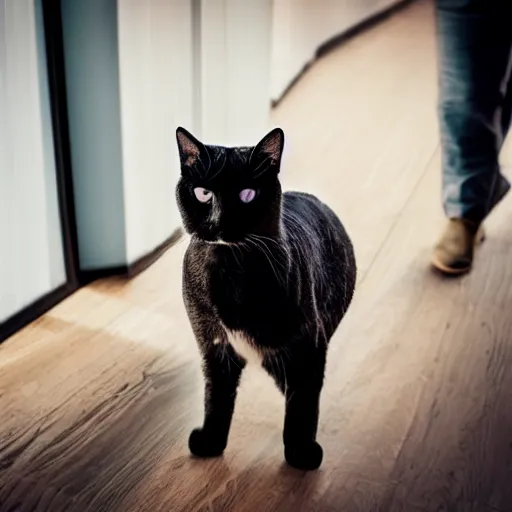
{"type": "Point", "coordinates": [264, 249]}
{"type": "Point", "coordinates": [256, 244]}
{"type": "Point", "coordinates": [267, 249]}
{"type": "Point", "coordinates": [280, 245]}
{"type": "Point", "coordinates": [267, 238]}
{"type": "Point", "coordinates": [233, 247]}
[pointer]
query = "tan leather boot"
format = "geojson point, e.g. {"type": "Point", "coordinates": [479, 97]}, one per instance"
{"type": "Point", "coordinates": [453, 253]}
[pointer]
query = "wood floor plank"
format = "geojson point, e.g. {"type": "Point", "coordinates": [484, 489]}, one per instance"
{"type": "Point", "coordinates": [458, 451]}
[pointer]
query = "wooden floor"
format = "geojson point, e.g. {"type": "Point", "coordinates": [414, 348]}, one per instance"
{"type": "Point", "coordinates": [97, 397]}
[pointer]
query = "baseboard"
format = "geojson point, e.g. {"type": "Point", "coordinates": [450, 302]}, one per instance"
{"type": "Point", "coordinates": [33, 311]}
{"type": "Point", "coordinates": [134, 269]}
{"type": "Point", "coordinates": [143, 263]}
{"type": "Point", "coordinates": [291, 85]}
{"type": "Point", "coordinates": [337, 40]}
{"type": "Point", "coordinates": [365, 24]}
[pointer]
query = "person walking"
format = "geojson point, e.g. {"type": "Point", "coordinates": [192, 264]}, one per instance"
{"type": "Point", "coordinates": [475, 104]}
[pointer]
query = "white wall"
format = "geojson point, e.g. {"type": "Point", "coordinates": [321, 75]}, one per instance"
{"type": "Point", "coordinates": [300, 27]}
{"type": "Point", "coordinates": [235, 44]}
{"type": "Point", "coordinates": [31, 257]}
{"type": "Point", "coordinates": [201, 64]}
{"type": "Point", "coordinates": [155, 81]}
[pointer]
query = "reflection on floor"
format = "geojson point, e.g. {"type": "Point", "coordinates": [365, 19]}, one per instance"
{"type": "Point", "coordinates": [97, 397]}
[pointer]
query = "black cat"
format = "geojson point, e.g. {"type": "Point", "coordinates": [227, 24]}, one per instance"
{"type": "Point", "coordinates": [267, 278]}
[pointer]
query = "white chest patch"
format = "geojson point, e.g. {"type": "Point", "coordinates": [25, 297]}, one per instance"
{"type": "Point", "coordinates": [244, 347]}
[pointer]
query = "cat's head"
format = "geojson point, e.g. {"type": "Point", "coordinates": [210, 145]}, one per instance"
{"type": "Point", "coordinates": [226, 194]}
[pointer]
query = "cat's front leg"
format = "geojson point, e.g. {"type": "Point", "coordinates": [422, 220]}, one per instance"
{"type": "Point", "coordinates": [301, 418]}
{"type": "Point", "coordinates": [222, 369]}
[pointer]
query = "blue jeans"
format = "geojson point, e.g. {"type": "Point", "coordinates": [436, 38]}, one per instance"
{"type": "Point", "coordinates": [475, 102]}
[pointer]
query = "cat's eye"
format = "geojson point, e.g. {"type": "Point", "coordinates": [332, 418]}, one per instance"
{"type": "Point", "coordinates": [202, 195]}
{"type": "Point", "coordinates": [247, 195]}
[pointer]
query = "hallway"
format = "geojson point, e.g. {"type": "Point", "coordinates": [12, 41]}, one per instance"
{"type": "Point", "coordinates": [98, 396]}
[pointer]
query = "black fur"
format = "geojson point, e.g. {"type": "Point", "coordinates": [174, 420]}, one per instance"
{"type": "Point", "coordinates": [282, 280]}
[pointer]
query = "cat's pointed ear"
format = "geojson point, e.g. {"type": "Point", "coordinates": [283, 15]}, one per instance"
{"type": "Point", "coordinates": [190, 149]}
{"type": "Point", "coordinates": [268, 152]}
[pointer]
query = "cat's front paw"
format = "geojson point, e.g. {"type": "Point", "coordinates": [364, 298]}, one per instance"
{"type": "Point", "coordinates": [307, 456]}
{"type": "Point", "coordinates": [204, 444]}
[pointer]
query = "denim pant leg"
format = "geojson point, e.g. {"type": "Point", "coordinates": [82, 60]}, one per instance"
{"type": "Point", "coordinates": [474, 41]}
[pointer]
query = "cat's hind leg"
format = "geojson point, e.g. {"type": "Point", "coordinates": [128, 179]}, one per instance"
{"type": "Point", "coordinates": [303, 389]}
{"type": "Point", "coordinates": [222, 369]}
